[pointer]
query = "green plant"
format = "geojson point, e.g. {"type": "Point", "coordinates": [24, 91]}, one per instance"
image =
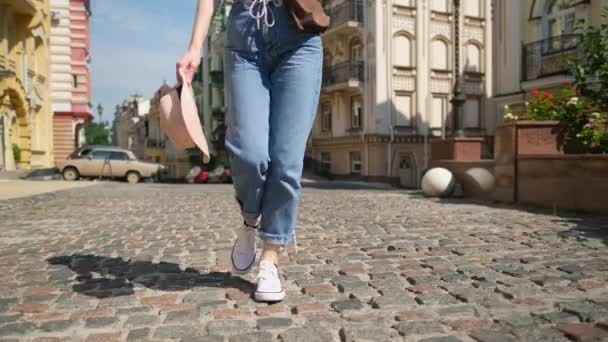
{"type": "Point", "coordinates": [17, 153]}
{"type": "Point", "coordinates": [97, 134]}
{"type": "Point", "coordinates": [590, 68]}
{"type": "Point", "coordinates": [572, 112]}
{"type": "Point", "coordinates": [542, 106]}
{"type": "Point", "coordinates": [594, 134]}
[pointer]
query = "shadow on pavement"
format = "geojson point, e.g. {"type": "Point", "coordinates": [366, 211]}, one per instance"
{"type": "Point", "coordinates": [346, 185]}
{"type": "Point", "coordinates": [104, 277]}
{"type": "Point", "coordinates": [583, 225]}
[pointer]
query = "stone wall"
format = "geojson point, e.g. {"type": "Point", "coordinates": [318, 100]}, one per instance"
{"type": "Point", "coordinates": [528, 168]}
{"type": "Point", "coordinates": [578, 182]}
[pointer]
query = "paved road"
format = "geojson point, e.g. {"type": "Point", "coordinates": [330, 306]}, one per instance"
{"type": "Point", "coordinates": [116, 262]}
{"type": "Point", "coordinates": [12, 188]}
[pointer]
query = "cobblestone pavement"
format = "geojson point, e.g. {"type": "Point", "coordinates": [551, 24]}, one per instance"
{"type": "Point", "coordinates": [117, 262]}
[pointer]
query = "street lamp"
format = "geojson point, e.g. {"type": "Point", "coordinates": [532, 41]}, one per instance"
{"type": "Point", "coordinates": [458, 97]}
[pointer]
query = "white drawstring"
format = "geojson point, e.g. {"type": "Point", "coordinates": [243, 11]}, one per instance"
{"type": "Point", "coordinates": [262, 12]}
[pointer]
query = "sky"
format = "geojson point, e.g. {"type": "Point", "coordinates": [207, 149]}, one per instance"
{"type": "Point", "coordinates": [134, 47]}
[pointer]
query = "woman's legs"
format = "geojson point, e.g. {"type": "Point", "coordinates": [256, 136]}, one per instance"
{"type": "Point", "coordinates": [247, 129]}
{"type": "Point", "coordinates": [247, 141]}
{"type": "Point", "coordinates": [294, 94]}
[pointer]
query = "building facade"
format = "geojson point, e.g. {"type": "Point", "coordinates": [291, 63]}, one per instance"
{"type": "Point", "coordinates": [71, 82]}
{"type": "Point", "coordinates": [158, 147]}
{"type": "Point", "coordinates": [25, 108]}
{"type": "Point", "coordinates": [210, 82]}
{"type": "Point", "coordinates": [129, 128]}
{"type": "Point", "coordinates": [533, 39]}
{"type": "Point", "coordinates": [387, 85]}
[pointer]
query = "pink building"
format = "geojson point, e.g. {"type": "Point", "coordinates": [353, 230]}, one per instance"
{"type": "Point", "coordinates": [71, 86]}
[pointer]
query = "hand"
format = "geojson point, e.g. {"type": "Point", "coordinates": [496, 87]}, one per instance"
{"type": "Point", "coordinates": [189, 63]}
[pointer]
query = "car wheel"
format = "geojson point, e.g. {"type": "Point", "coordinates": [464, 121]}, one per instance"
{"type": "Point", "coordinates": [70, 174]}
{"type": "Point", "coordinates": [133, 177]}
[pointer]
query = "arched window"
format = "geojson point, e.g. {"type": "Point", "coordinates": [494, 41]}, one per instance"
{"type": "Point", "coordinates": [474, 60]}
{"type": "Point", "coordinates": [403, 54]}
{"type": "Point", "coordinates": [439, 55]}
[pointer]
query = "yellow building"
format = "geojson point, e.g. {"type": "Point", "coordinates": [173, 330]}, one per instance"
{"type": "Point", "coordinates": [25, 106]}
{"type": "Point", "coordinates": [155, 139]}
{"type": "Point", "coordinates": [158, 147]}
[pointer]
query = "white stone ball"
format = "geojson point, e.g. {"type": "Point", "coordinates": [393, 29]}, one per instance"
{"type": "Point", "coordinates": [438, 182]}
{"type": "Point", "coordinates": [479, 180]}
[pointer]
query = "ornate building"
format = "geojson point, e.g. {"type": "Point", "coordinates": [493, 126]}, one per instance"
{"type": "Point", "coordinates": [71, 83]}
{"type": "Point", "coordinates": [129, 129]}
{"type": "Point", "coordinates": [25, 106]}
{"type": "Point", "coordinates": [548, 31]}
{"type": "Point", "coordinates": [388, 80]}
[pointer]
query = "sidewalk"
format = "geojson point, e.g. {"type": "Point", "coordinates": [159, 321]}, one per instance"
{"type": "Point", "coordinates": [10, 189]}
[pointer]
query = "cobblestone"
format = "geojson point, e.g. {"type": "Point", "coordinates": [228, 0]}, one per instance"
{"type": "Point", "coordinates": [151, 262]}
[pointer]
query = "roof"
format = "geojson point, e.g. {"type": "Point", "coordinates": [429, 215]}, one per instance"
{"type": "Point", "coordinates": [104, 147]}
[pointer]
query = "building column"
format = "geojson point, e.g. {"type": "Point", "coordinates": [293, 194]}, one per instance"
{"type": "Point", "coordinates": [422, 67]}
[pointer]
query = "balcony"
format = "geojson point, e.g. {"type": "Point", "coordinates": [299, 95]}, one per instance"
{"type": "Point", "coordinates": [153, 143]}
{"type": "Point", "coordinates": [342, 76]}
{"type": "Point", "coordinates": [218, 112]}
{"type": "Point", "coordinates": [549, 57]}
{"type": "Point", "coordinates": [346, 17]}
{"type": "Point", "coordinates": [217, 77]}
{"type": "Point", "coordinates": [25, 7]}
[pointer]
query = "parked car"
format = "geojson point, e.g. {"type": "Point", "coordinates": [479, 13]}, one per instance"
{"type": "Point", "coordinates": [107, 161]}
{"type": "Point", "coordinates": [220, 174]}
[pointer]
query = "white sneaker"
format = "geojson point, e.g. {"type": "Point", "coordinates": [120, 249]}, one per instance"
{"type": "Point", "coordinates": [269, 285]}
{"type": "Point", "coordinates": [244, 250]}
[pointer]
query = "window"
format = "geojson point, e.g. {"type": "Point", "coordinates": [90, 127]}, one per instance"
{"type": "Point", "coordinates": [326, 58]}
{"type": "Point", "coordinates": [473, 63]}
{"type": "Point", "coordinates": [81, 154]}
{"type": "Point", "coordinates": [75, 80]}
{"type": "Point", "coordinates": [356, 51]}
{"type": "Point", "coordinates": [404, 3]}
{"type": "Point", "coordinates": [101, 155]}
{"type": "Point", "coordinates": [560, 19]}
{"type": "Point", "coordinates": [402, 51]}
{"type": "Point", "coordinates": [471, 117]}
{"type": "Point", "coordinates": [403, 110]}
{"type": "Point", "coordinates": [325, 162]}
{"type": "Point", "coordinates": [355, 163]}
{"type": "Point", "coordinates": [326, 117]}
{"type": "Point", "coordinates": [472, 8]}
{"type": "Point", "coordinates": [356, 112]}
{"type": "Point", "coordinates": [439, 55]}
{"type": "Point", "coordinates": [439, 5]}
{"type": "Point", "coordinates": [439, 109]}
{"type": "Point", "coordinates": [119, 156]}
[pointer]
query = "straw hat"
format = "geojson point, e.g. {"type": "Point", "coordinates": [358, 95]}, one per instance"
{"type": "Point", "coordinates": [179, 118]}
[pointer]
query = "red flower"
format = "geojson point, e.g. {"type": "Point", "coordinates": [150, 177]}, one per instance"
{"type": "Point", "coordinates": [567, 82]}
{"type": "Point", "coordinates": [578, 91]}
{"type": "Point", "coordinates": [548, 95]}
{"type": "Point", "coordinates": [535, 92]}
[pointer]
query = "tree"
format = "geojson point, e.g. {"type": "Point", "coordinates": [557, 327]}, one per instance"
{"type": "Point", "coordinates": [590, 69]}
{"type": "Point", "coordinates": [97, 134]}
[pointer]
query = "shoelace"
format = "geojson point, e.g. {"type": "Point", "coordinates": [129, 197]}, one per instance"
{"type": "Point", "coordinates": [259, 9]}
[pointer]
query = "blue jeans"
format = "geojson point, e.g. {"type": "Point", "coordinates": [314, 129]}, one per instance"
{"type": "Point", "coordinates": [273, 79]}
